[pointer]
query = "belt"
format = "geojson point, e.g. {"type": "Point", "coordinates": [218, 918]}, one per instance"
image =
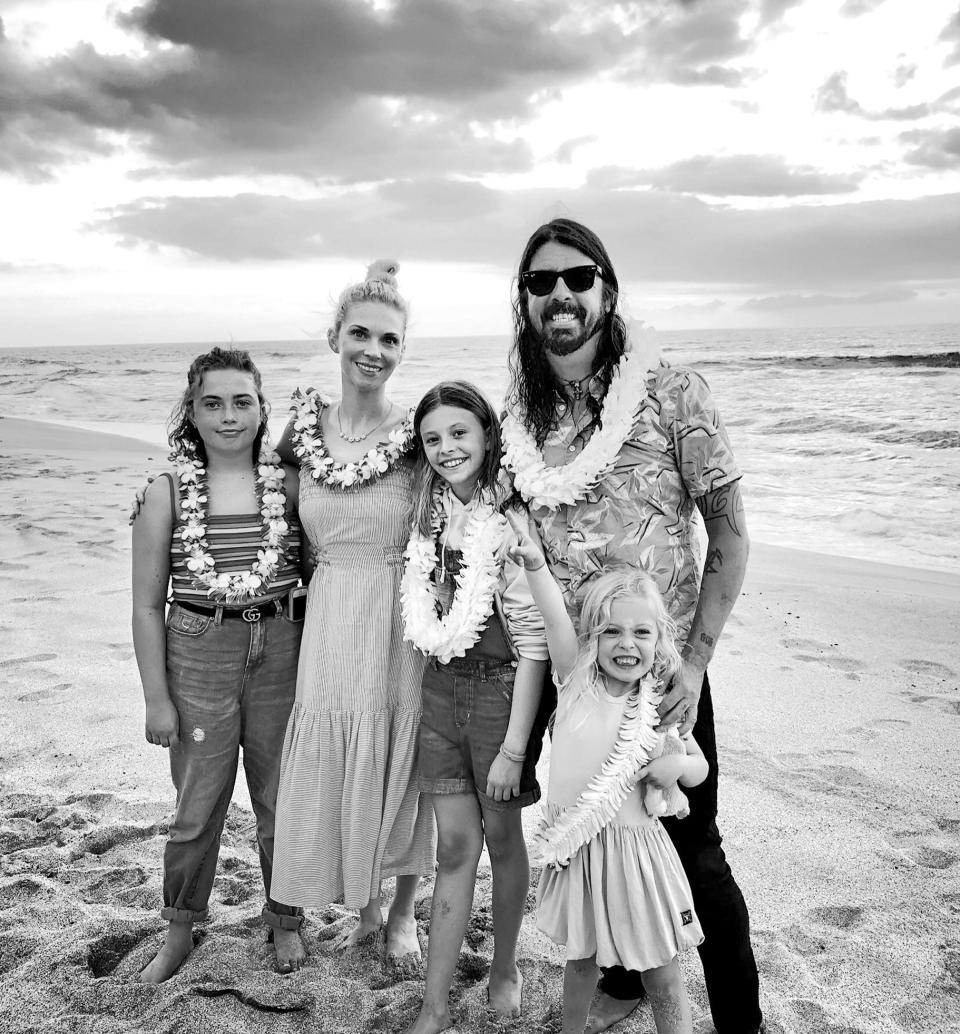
{"type": "Point", "coordinates": [250, 614]}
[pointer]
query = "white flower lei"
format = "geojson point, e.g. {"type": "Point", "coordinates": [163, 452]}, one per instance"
{"type": "Point", "coordinates": [242, 585]}
{"type": "Point", "coordinates": [452, 635]}
{"type": "Point", "coordinates": [542, 485]}
{"type": "Point", "coordinates": [555, 844]}
{"type": "Point", "coordinates": [313, 455]}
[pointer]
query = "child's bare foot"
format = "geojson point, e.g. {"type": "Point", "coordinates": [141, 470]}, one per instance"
{"type": "Point", "coordinates": [176, 947]}
{"type": "Point", "coordinates": [505, 993]}
{"type": "Point", "coordinates": [429, 1022]}
{"type": "Point", "coordinates": [403, 946]}
{"type": "Point", "coordinates": [365, 934]}
{"type": "Point", "coordinates": [291, 953]}
{"type": "Point", "coordinates": [606, 1011]}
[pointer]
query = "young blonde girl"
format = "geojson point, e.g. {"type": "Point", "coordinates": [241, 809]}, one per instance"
{"type": "Point", "coordinates": [467, 606]}
{"type": "Point", "coordinates": [613, 888]}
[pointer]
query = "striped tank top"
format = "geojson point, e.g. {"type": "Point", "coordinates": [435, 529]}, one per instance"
{"type": "Point", "coordinates": [233, 540]}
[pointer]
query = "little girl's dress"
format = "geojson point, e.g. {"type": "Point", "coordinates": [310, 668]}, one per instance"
{"type": "Point", "coordinates": [624, 896]}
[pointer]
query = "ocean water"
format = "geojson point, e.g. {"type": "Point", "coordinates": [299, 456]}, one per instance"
{"type": "Point", "coordinates": [848, 438]}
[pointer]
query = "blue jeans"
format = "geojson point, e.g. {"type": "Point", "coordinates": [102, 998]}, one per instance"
{"type": "Point", "coordinates": [233, 686]}
{"type": "Point", "coordinates": [729, 969]}
{"type": "Point", "coordinates": [466, 711]}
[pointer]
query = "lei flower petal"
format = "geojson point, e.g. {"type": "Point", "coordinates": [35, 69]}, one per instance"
{"type": "Point", "coordinates": [239, 586]}
{"type": "Point", "coordinates": [542, 485]}
{"type": "Point", "coordinates": [452, 635]}
{"type": "Point", "coordinates": [309, 447]}
{"type": "Point", "coordinates": [637, 744]}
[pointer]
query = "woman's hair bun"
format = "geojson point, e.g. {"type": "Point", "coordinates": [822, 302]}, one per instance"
{"type": "Point", "coordinates": [384, 270]}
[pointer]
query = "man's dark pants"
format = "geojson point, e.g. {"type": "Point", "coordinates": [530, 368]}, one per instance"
{"type": "Point", "coordinates": [729, 969]}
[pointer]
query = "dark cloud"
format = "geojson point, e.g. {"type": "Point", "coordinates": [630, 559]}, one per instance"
{"type": "Point", "coordinates": [934, 148]}
{"type": "Point", "coordinates": [653, 235]}
{"type": "Point", "coordinates": [691, 44]}
{"type": "Point", "coordinates": [737, 175]}
{"type": "Point", "coordinates": [337, 90]}
{"type": "Point", "coordinates": [882, 296]}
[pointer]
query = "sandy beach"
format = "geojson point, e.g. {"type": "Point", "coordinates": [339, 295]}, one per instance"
{"type": "Point", "coordinates": [837, 691]}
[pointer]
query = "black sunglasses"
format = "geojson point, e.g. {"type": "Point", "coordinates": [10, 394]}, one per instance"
{"type": "Point", "coordinates": [541, 282]}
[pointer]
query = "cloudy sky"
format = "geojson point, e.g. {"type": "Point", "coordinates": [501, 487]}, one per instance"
{"type": "Point", "coordinates": [195, 170]}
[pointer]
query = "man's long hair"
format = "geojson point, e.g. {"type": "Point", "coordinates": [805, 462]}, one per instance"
{"type": "Point", "coordinates": [534, 390]}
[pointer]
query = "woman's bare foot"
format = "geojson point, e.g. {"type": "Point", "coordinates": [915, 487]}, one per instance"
{"type": "Point", "coordinates": [606, 1011]}
{"type": "Point", "coordinates": [291, 953]}
{"type": "Point", "coordinates": [176, 947]}
{"type": "Point", "coordinates": [505, 993]}
{"type": "Point", "coordinates": [429, 1022]}
{"type": "Point", "coordinates": [403, 946]}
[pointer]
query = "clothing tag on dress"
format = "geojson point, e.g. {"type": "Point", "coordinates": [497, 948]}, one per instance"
{"type": "Point", "coordinates": [686, 917]}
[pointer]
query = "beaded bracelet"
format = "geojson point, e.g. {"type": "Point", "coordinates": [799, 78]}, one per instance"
{"type": "Point", "coordinates": [517, 759]}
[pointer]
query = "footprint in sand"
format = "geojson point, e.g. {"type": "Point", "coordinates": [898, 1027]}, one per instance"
{"type": "Point", "coordinates": [847, 664]}
{"type": "Point", "coordinates": [232, 891]}
{"type": "Point", "coordinates": [32, 659]}
{"type": "Point", "coordinates": [45, 694]}
{"type": "Point", "coordinates": [843, 917]}
{"type": "Point", "coordinates": [105, 953]}
{"type": "Point", "coordinates": [921, 853]}
{"type": "Point", "coordinates": [840, 776]}
{"type": "Point", "coordinates": [825, 654]}
{"type": "Point", "coordinates": [23, 888]}
{"type": "Point", "coordinates": [922, 667]}
{"type": "Point", "coordinates": [99, 841]}
{"type": "Point", "coordinates": [813, 1017]}
{"type": "Point", "coordinates": [947, 705]}
{"type": "Point", "coordinates": [102, 885]}
{"type": "Point", "coordinates": [16, 948]}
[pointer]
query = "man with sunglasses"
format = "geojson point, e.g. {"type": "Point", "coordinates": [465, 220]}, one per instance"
{"type": "Point", "coordinates": [613, 454]}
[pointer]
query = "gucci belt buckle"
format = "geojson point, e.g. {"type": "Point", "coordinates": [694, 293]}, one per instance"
{"type": "Point", "coordinates": [251, 615]}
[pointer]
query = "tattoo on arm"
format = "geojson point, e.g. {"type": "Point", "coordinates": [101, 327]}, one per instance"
{"type": "Point", "coordinates": [706, 639]}
{"type": "Point", "coordinates": [714, 561]}
{"type": "Point", "coordinates": [723, 504]}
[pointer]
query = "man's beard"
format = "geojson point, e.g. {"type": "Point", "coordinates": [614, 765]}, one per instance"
{"type": "Point", "coordinates": [562, 341]}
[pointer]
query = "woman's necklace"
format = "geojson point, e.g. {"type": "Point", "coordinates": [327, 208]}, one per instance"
{"type": "Point", "coordinates": [354, 438]}
{"type": "Point", "coordinates": [240, 585]}
{"type": "Point", "coordinates": [308, 445]}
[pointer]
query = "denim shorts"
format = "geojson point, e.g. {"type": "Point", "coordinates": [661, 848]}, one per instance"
{"type": "Point", "coordinates": [466, 711]}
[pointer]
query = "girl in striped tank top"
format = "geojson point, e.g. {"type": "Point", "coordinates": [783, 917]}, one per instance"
{"type": "Point", "coordinates": [219, 671]}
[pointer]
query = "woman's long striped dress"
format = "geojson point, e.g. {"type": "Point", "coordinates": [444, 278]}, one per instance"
{"type": "Point", "coordinates": [349, 810]}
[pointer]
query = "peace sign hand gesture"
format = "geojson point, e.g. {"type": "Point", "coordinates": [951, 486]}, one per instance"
{"type": "Point", "coordinates": [524, 550]}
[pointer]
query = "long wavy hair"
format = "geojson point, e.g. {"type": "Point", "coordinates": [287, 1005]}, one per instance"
{"type": "Point", "coordinates": [586, 678]}
{"type": "Point", "coordinates": [181, 430]}
{"type": "Point", "coordinates": [462, 395]}
{"type": "Point", "coordinates": [534, 391]}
